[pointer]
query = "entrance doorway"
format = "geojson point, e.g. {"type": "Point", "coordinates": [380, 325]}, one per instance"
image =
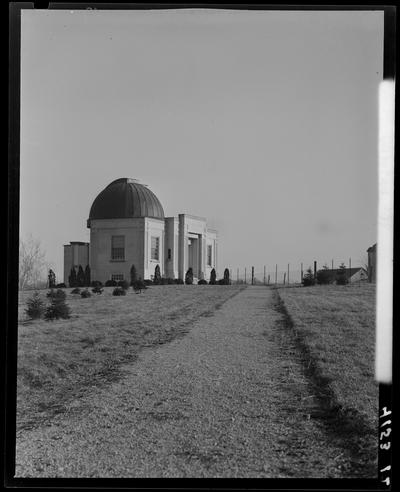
{"type": "Point", "coordinates": [193, 255]}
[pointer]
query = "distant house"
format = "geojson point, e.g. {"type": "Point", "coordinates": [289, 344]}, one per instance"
{"type": "Point", "coordinates": [372, 263]}
{"type": "Point", "coordinates": [356, 274]}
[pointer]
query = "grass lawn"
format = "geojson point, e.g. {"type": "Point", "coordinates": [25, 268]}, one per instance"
{"type": "Point", "coordinates": [336, 325]}
{"type": "Point", "coordinates": [60, 360]}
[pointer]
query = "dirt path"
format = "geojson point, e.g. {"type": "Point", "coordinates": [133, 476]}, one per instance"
{"type": "Point", "coordinates": [227, 400]}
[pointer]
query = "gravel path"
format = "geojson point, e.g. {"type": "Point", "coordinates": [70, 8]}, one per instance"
{"type": "Point", "coordinates": [227, 400]}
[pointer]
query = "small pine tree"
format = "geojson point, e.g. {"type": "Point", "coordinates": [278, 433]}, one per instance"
{"type": "Point", "coordinates": [139, 285]}
{"type": "Point", "coordinates": [189, 276]}
{"type": "Point", "coordinates": [85, 293]}
{"type": "Point", "coordinates": [80, 277]}
{"type": "Point", "coordinates": [341, 275]}
{"type": "Point", "coordinates": [57, 309]}
{"type": "Point", "coordinates": [226, 277]}
{"type": "Point", "coordinates": [87, 276]}
{"type": "Point", "coordinates": [72, 278]}
{"type": "Point", "coordinates": [35, 306]}
{"type": "Point", "coordinates": [308, 278]}
{"type": "Point", "coordinates": [133, 275]}
{"type": "Point", "coordinates": [213, 277]}
{"type": "Point", "coordinates": [59, 293]}
{"type": "Point", "coordinates": [52, 279]}
{"type": "Point", "coordinates": [157, 275]}
{"type": "Point", "coordinates": [119, 291]}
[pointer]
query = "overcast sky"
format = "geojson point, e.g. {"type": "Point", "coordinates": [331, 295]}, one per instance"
{"type": "Point", "coordinates": [264, 122]}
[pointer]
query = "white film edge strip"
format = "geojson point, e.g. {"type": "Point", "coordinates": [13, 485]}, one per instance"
{"type": "Point", "coordinates": [384, 271]}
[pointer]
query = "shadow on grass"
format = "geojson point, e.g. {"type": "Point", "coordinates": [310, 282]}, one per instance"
{"type": "Point", "coordinates": [345, 426]}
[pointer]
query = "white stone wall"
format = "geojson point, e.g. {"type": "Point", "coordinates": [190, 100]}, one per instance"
{"type": "Point", "coordinates": [212, 240]}
{"type": "Point", "coordinates": [67, 262]}
{"type": "Point", "coordinates": [155, 228]}
{"type": "Point", "coordinates": [101, 232]}
{"type": "Point", "coordinates": [75, 254]}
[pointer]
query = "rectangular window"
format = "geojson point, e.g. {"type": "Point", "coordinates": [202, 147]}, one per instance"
{"type": "Point", "coordinates": [209, 255]}
{"type": "Point", "coordinates": [169, 253]}
{"type": "Point", "coordinates": [117, 277]}
{"type": "Point", "coordinates": [118, 247]}
{"type": "Point", "coordinates": [155, 248]}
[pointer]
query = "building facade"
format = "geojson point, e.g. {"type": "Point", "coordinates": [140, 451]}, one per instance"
{"type": "Point", "coordinates": [128, 228]}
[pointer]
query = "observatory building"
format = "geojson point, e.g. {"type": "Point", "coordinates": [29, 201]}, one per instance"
{"type": "Point", "coordinates": [128, 227]}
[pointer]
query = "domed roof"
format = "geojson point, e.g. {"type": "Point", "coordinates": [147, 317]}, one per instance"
{"type": "Point", "coordinates": [126, 198]}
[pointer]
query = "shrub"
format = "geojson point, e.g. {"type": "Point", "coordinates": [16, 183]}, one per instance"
{"type": "Point", "coordinates": [341, 276]}
{"type": "Point", "coordinates": [72, 278]}
{"type": "Point", "coordinates": [119, 291]}
{"type": "Point", "coordinates": [213, 277]}
{"type": "Point", "coordinates": [202, 282]}
{"type": "Point", "coordinates": [157, 275]}
{"type": "Point", "coordinates": [87, 275]}
{"type": "Point", "coordinates": [77, 290]}
{"type": "Point", "coordinates": [308, 278]}
{"type": "Point", "coordinates": [110, 283]}
{"type": "Point", "coordinates": [221, 281]}
{"type": "Point", "coordinates": [189, 277]}
{"type": "Point", "coordinates": [124, 284]}
{"type": "Point", "coordinates": [226, 277]}
{"type": "Point", "coordinates": [148, 282]}
{"type": "Point", "coordinates": [85, 293]}
{"type": "Point", "coordinates": [57, 309]}
{"type": "Point", "coordinates": [61, 286]}
{"type": "Point", "coordinates": [139, 285]}
{"type": "Point", "coordinates": [167, 281]}
{"type": "Point", "coordinates": [97, 289]}
{"type": "Point", "coordinates": [178, 281]}
{"type": "Point", "coordinates": [133, 275]}
{"type": "Point", "coordinates": [324, 276]}
{"type": "Point", "coordinates": [35, 307]}
{"type": "Point", "coordinates": [80, 277]}
{"type": "Point", "coordinates": [59, 294]}
{"type": "Point", "coordinates": [96, 283]}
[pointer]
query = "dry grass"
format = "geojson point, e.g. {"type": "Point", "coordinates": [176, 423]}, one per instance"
{"type": "Point", "coordinates": [337, 325]}
{"type": "Point", "coordinates": [61, 360]}
{"type": "Point", "coordinates": [334, 327]}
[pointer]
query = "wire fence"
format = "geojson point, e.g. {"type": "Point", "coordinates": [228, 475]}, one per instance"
{"type": "Point", "coordinates": [290, 274]}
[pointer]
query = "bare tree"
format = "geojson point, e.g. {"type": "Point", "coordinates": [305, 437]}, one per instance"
{"type": "Point", "coordinates": [364, 262]}
{"type": "Point", "coordinates": [32, 264]}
